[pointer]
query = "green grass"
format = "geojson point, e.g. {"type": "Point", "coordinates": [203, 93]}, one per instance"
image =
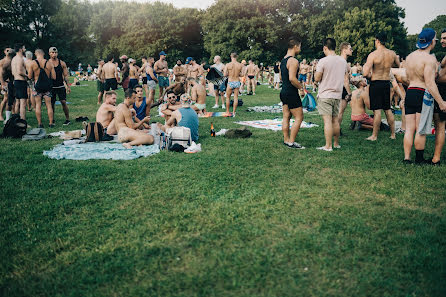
{"type": "Point", "coordinates": [244, 217]}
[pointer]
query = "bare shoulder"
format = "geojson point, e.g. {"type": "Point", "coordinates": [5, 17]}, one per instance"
{"type": "Point", "coordinates": [62, 63]}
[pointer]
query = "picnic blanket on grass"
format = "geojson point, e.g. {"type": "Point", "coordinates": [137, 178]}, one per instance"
{"type": "Point", "coordinates": [275, 125]}
{"type": "Point", "coordinates": [100, 151]}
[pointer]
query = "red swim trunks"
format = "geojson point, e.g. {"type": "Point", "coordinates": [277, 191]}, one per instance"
{"type": "Point", "coordinates": [363, 119]}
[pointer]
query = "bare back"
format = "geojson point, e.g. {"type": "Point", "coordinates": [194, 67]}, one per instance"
{"type": "Point", "coordinates": [123, 117]}
{"type": "Point", "coordinates": [199, 94]}
{"type": "Point", "coordinates": [104, 115]}
{"type": "Point", "coordinates": [18, 68]}
{"type": "Point", "coordinates": [357, 102]}
{"type": "Point", "coordinates": [382, 60]}
{"type": "Point", "coordinates": [251, 69]}
{"type": "Point", "coordinates": [110, 70]}
{"type": "Point", "coordinates": [234, 71]}
{"type": "Point", "coordinates": [5, 68]}
{"type": "Point", "coordinates": [133, 72]}
{"type": "Point", "coordinates": [415, 66]}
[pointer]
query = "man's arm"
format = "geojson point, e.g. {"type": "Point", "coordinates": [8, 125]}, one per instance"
{"type": "Point", "coordinates": [429, 78]}
{"type": "Point", "coordinates": [366, 71]}
{"type": "Point", "coordinates": [347, 84]}
{"type": "Point", "coordinates": [65, 76]}
{"type": "Point", "coordinates": [397, 61]}
{"type": "Point", "coordinates": [111, 108]}
{"type": "Point", "coordinates": [225, 71]}
{"type": "Point", "coordinates": [171, 122]}
{"type": "Point", "coordinates": [30, 72]}
{"type": "Point", "coordinates": [152, 75]}
{"type": "Point", "coordinates": [129, 121]}
{"type": "Point", "coordinates": [365, 98]}
{"type": "Point", "coordinates": [194, 94]}
{"type": "Point", "coordinates": [293, 65]}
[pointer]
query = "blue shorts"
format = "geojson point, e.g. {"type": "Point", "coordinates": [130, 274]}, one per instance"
{"type": "Point", "coordinates": [163, 81]}
{"type": "Point", "coordinates": [234, 84]}
{"type": "Point", "coordinates": [302, 77]}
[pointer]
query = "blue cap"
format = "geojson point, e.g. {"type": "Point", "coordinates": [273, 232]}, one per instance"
{"type": "Point", "coordinates": [162, 53]}
{"type": "Point", "coordinates": [189, 59]}
{"type": "Point", "coordinates": [425, 38]}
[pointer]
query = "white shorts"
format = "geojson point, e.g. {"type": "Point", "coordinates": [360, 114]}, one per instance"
{"type": "Point", "coordinates": [151, 84]}
{"type": "Point", "coordinates": [277, 77]}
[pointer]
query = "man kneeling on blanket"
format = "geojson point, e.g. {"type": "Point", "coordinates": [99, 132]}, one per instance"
{"type": "Point", "coordinates": [361, 100]}
{"type": "Point", "coordinates": [128, 134]}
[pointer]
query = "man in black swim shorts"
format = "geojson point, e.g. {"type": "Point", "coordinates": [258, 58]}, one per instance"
{"type": "Point", "coordinates": [440, 116]}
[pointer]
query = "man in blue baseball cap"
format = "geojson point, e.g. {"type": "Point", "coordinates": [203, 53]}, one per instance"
{"type": "Point", "coordinates": [162, 70]}
{"type": "Point", "coordinates": [421, 68]}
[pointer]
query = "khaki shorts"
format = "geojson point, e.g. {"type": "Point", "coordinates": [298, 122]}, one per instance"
{"type": "Point", "coordinates": [328, 106]}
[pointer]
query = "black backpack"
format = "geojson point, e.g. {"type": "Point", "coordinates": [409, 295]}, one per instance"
{"type": "Point", "coordinates": [44, 83]}
{"type": "Point", "coordinates": [15, 127]}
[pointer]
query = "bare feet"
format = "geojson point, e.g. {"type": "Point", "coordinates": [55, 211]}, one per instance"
{"type": "Point", "coordinates": [127, 146]}
{"type": "Point", "coordinates": [392, 136]}
{"type": "Point", "coordinates": [372, 138]}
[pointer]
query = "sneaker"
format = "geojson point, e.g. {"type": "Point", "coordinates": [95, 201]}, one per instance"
{"type": "Point", "coordinates": [194, 148]}
{"type": "Point", "coordinates": [294, 145]}
{"type": "Point", "coordinates": [337, 146]}
{"type": "Point", "coordinates": [66, 123]}
{"type": "Point", "coordinates": [400, 131]}
{"type": "Point", "coordinates": [435, 163]}
{"type": "Point", "coordinates": [223, 106]}
{"type": "Point", "coordinates": [215, 106]}
{"type": "Point", "coordinates": [323, 148]}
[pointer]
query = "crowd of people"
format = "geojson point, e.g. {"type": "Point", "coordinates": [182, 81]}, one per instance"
{"type": "Point", "coordinates": [385, 82]}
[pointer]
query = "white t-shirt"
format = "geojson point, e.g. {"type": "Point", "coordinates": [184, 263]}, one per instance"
{"type": "Point", "coordinates": [333, 70]}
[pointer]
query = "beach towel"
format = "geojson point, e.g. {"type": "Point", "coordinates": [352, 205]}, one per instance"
{"type": "Point", "coordinates": [275, 124]}
{"type": "Point", "coordinates": [100, 151]}
{"type": "Point", "coordinates": [217, 114]}
{"type": "Point", "coordinates": [309, 102]}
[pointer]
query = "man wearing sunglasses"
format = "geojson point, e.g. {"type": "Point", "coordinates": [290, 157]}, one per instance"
{"type": "Point", "coordinates": [172, 104]}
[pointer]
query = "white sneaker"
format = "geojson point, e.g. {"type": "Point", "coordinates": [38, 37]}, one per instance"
{"type": "Point", "coordinates": [223, 106]}
{"type": "Point", "coordinates": [323, 148]}
{"type": "Point", "coordinates": [194, 148]}
{"type": "Point", "coordinates": [215, 106]}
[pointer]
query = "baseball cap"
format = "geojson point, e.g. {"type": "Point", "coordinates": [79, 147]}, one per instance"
{"type": "Point", "coordinates": [123, 57]}
{"type": "Point", "coordinates": [189, 59]}
{"type": "Point", "coordinates": [52, 49]}
{"type": "Point", "coordinates": [162, 53]}
{"type": "Point", "coordinates": [131, 60]}
{"type": "Point", "coordinates": [425, 38]}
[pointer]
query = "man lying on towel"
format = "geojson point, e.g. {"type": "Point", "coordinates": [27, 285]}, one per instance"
{"type": "Point", "coordinates": [127, 133]}
{"type": "Point", "coordinates": [361, 99]}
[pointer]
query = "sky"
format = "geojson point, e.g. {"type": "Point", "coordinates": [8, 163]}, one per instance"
{"type": "Point", "coordinates": [418, 12]}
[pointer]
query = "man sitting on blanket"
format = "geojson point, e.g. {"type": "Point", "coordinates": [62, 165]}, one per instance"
{"type": "Point", "coordinates": [127, 133]}
{"type": "Point", "coordinates": [184, 117]}
{"type": "Point", "coordinates": [172, 104]}
{"type": "Point", "coordinates": [105, 113]}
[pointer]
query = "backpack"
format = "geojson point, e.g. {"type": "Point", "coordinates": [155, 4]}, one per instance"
{"type": "Point", "coordinates": [179, 135]}
{"type": "Point", "coordinates": [95, 132]}
{"type": "Point", "coordinates": [44, 83]}
{"type": "Point", "coordinates": [15, 127]}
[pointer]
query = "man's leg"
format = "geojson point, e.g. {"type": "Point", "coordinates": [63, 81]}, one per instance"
{"type": "Point", "coordinates": [228, 98]}
{"type": "Point", "coordinates": [439, 137]}
{"type": "Point", "coordinates": [65, 109]}
{"type": "Point", "coordinates": [328, 130]}
{"type": "Point", "coordinates": [146, 89]}
{"type": "Point", "coordinates": [408, 136]}
{"type": "Point", "coordinates": [298, 115]}
{"type": "Point", "coordinates": [111, 129]}
{"type": "Point", "coordinates": [217, 95]}
{"type": "Point", "coordinates": [420, 141]}
{"type": "Point", "coordinates": [2, 106]}
{"type": "Point", "coordinates": [336, 130]}
{"type": "Point", "coordinates": [248, 87]}
{"type": "Point", "coordinates": [53, 102]}
{"type": "Point", "coordinates": [138, 138]}
{"type": "Point", "coordinates": [341, 110]}
{"type": "Point", "coordinates": [254, 84]}
{"type": "Point", "coordinates": [234, 106]}
{"type": "Point", "coordinates": [49, 109]}
{"type": "Point", "coordinates": [376, 125]}
{"type": "Point", "coordinates": [391, 121]}
{"type": "Point", "coordinates": [23, 108]}
{"type": "Point", "coordinates": [151, 96]}
{"type": "Point", "coordinates": [100, 95]}
{"type": "Point", "coordinates": [39, 110]}
{"type": "Point", "coordinates": [286, 123]}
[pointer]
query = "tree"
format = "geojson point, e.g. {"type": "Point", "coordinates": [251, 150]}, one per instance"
{"type": "Point", "coordinates": [359, 28]}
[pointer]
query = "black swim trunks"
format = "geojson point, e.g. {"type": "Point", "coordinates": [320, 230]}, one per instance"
{"type": "Point", "coordinates": [58, 92]}
{"type": "Point", "coordinates": [292, 100]}
{"type": "Point", "coordinates": [442, 90]}
{"type": "Point", "coordinates": [110, 83]}
{"type": "Point", "coordinates": [21, 89]}
{"type": "Point", "coordinates": [379, 95]}
{"type": "Point", "coordinates": [144, 80]}
{"type": "Point", "coordinates": [414, 100]}
{"type": "Point", "coordinates": [250, 76]}
{"type": "Point", "coordinates": [11, 93]}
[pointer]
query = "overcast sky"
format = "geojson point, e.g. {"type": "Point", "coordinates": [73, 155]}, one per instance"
{"type": "Point", "coordinates": [418, 12]}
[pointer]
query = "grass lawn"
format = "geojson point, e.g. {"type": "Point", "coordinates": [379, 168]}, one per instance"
{"type": "Point", "coordinates": [245, 217]}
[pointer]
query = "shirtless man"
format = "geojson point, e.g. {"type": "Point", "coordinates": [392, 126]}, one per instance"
{"type": "Point", "coordinates": [178, 88]}
{"type": "Point", "coordinates": [105, 113]}
{"type": "Point", "coordinates": [7, 83]}
{"type": "Point", "coordinates": [198, 96]}
{"type": "Point", "coordinates": [110, 74]}
{"type": "Point", "coordinates": [100, 81]}
{"type": "Point", "coordinates": [152, 80]}
{"type": "Point", "coordinates": [61, 84]}
{"type": "Point", "coordinates": [179, 71]}
{"type": "Point", "coordinates": [251, 71]}
{"type": "Point", "coordinates": [303, 71]}
{"type": "Point", "coordinates": [219, 90]}
{"type": "Point", "coordinates": [133, 74]}
{"type": "Point", "coordinates": [128, 134]}
{"type": "Point", "coordinates": [124, 72]}
{"type": "Point", "coordinates": [439, 116]}
{"type": "Point", "coordinates": [142, 72]}
{"type": "Point", "coordinates": [172, 104]}
{"type": "Point", "coordinates": [19, 72]}
{"type": "Point", "coordinates": [243, 78]}
{"type": "Point", "coordinates": [233, 71]}
{"type": "Point", "coordinates": [378, 67]}
{"type": "Point", "coordinates": [421, 68]}
{"type": "Point", "coordinates": [162, 70]}
{"type": "Point", "coordinates": [346, 51]}
{"type": "Point", "coordinates": [195, 70]}
{"type": "Point", "coordinates": [45, 92]}
{"type": "Point", "coordinates": [360, 100]}
{"type": "Point", "coordinates": [28, 63]}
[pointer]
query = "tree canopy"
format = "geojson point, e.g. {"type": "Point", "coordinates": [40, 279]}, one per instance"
{"type": "Point", "coordinates": [84, 31]}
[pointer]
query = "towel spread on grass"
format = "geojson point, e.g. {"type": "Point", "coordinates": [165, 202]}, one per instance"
{"type": "Point", "coordinates": [100, 150]}
{"type": "Point", "coordinates": [275, 125]}
{"type": "Point", "coordinates": [217, 114]}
